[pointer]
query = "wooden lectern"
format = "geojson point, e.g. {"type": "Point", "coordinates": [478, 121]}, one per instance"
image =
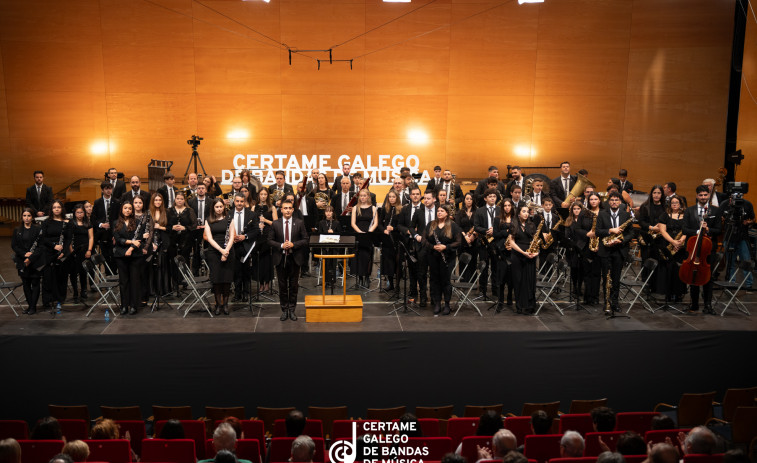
{"type": "Point", "coordinates": [334, 307]}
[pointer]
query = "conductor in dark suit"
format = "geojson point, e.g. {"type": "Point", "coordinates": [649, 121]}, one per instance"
{"type": "Point", "coordinates": [119, 187]}
{"type": "Point", "coordinates": [248, 224]}
{"type": "Point", "coordinates": [39, 196]}
{"type": "Point", "coordinates": [614, 254]}
{"type": "Point", "coordinates": [692, 218]}
{"type": "Point", "coordinates": [104, 215]}
{"type": "Point", "coordinates": [135, 190]}
{"type": "Point", "coordinates": [289, 241]}
{"type": "Point", "coordinates": [561, 187]}
{"type": "Point", "coordinates": [168, 191]}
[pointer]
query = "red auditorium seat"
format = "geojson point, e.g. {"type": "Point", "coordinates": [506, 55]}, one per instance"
{"type": "Point", "coordinates": [470, 443]}
{"type": "Point", "coordinates": [74, 429]}
{"type": "Point", "coordinates": [700, 458]}
{"type": "Point", "coordinates": [194, 430]}
{"type": "Point", "coordinates": [542, 448]}
{"type": "Point", "coordinates": [14, 429]}
{"type": "Point", "coordinates": [574, 460]}
{"type": "Point", "coordinates": [255, 429]}
{"type": "Point", "coordinates": [168, 450]}
{"type": "Point", "coordinates": [591, 443]}
{"type": "Point", "coordinates": [638, 422]}
{"type": "Point", "coordinates": [437, 448]}
{"type": "Point", "coordinates": [580, 422]}
{"type": "Point", "coordinates": [520, 426]}
{"type": "Point", "coordinates": [39, 451]}
{"type": "Point", "coordinates": [659, 436]}
{"type": "Point", "coordinates": [281, 449]}
{"type": "Point", "coordinates": [343, 428]}
{"type": "Point", "coordinates": [313, 428]}
{"type": "Point", "coordinates": [112, 450]}
{"type": "Point", "coordinates": [136, 430]}
{"type": "Point", "coordinates": [429, 427]}
{"type": "Point", "coordinates": [247, 449]}
{"type": "Point", "coordinates": [457, 428]}
{"type": "Point", "coordinates": [635, 458]}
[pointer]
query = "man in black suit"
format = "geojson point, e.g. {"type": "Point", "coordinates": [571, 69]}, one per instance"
{"type": "Point", "coordinates": [248, 224]}
{"type": "Point", "coordinates": [484, 184]}
{"type": "Point", "coordinates": [623, 183]}
{"type": "Point", "coordinates": [280, 184]}
{"type": "Point", "coordinates": [168, 191]}
{"type": "Point", "coordinates": [484, 221]}
{"type": "Point", "coordinates": [423, 216]}
{"type": "Point", "coordinates": [538, 196]}
{"type": "Point", "coordinates": [289, 240]}
{"type": "Point", "coordinates": [135, 190]}
{"type": "Point", "coordinates": [104, 214]}
{"type": "Point", "coordinates": [517, 180]}
{"type": "Point", "coordinates": [516, 196]}
{"type": "Point", "coordinates": [39, 196]}
{"type": "Point", "coordinates": [550, 218]}
{"type": "Point", "coordinates": [200, 203]}
{"type": "Point", "coordinates": [398, 186]}
{"type": "Point", "coordinates": [358, 181]}
{"type": "Point", "coordinates": [718, 199]}
{"type": "Point", "coordinates": [119, 187]}
{"type": "Point", "coordinates": [338, 179]}
{"type": "Point", "coordinates": [340, 200]}
{"type": "Point", "coordinates": [561, 187]}
{"type": "Point", "coordinates": [692, 218]}
{"type": "Point", "coordinates": [434, 182]}
{"type": "Point", "coordinates": [405, 225]}
{"type": "Point", "coordinates": [451, 188]}
{"type": "Point", "coordinates": [613, 254]}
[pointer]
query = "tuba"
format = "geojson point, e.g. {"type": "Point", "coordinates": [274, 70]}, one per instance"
{"type": "Point", "coordinates": [578, 189]}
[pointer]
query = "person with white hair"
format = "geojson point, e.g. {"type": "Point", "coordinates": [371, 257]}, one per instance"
{"type": "Point", "coordinates": [303, 449]}
{"type": "Point", "coordinates": [571, 445]}
{"type": "Point", "coordinates": [224, 438]}
{"type": "Point", "coordinates": [700, 440]}
{"type": "Point", "coordinates": [503, 442]}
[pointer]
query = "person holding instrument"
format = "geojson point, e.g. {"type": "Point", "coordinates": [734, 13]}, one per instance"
{"type": "Point", "coordinates": [28, 258]}
{"type": "Point", "coordinates": [576, 243]}
{"type": "Point", "coordinates": [443, 237]}
{"type": "Point", "coordinates": [673, 251]}
{"type": "Point", "coordinates": [128, 255]}
{"type": "Point", "coordinates": [464, 219]}
{"type": "Point", "coordinates": [220, 233]}
{"type": "Point", "coordinates": [590, 261]}
{"type": "Point", "coordinates": [364, 221]}
{"type": "Point", "coordinates": [329, 226]}
{"type": "Point", "coordinates": [613, 225]}
{"type": "Point", "coordinates": [388, 217]}
{"type": "Point", "coordinates": [56, 240]}
{"type": "Point", "coordinates": [267, 213]}
{"type": "Point", "coordinates": [484, 221]}
{"type": "Point", "coordinates": [524, 262]}
{"type": "Point", "coordinates": [82, 242]}
{"type": "Point", "coordinates": [701, 215]}
{"type": "Point", "coordinates": [502, 273]}
{"type": "Point", "coordinates": [650, 215]}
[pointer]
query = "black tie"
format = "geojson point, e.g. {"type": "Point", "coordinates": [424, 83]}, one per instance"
{"type": "Point", "coordinates": [615, 221]}
{"type": "Point", "coordinates": [239, 223]}
{"type": "Point", "coordinates": [429, 216]}
{"type": "Point", "coordinates": [415, 209]}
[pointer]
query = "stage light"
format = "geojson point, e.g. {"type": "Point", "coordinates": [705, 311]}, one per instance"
{"type": "Point", "coordinates": [99, 147]}
{"type": "Point", "coordinates": [523, 151]}
{"type": "Point", "coordinates": [417, 136]}
{"type": "Point", "coordinates": [521, 2]}
{"type": "Point", "coordinates": [397, 1]}
{"type": "Point", "coordinates": [238, 134]}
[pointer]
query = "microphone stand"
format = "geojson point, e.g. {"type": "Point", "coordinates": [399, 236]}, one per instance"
{"type": "Point", "coordinates": [404, 303]}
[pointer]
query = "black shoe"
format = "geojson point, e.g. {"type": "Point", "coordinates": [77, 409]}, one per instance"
{"type": "Point", "coordinates": [284, 315]}
{"type": "Point", "coordinates": [708, 309]}
{"type": "Point", "coordinates": [236, 299]}
{"type": "Point", "coordinates": [133, 311]}
{"type": "Point", "coordinates": [500, 307]}
{"type": "Point", "coordinates": [292, 315]}
{"type": "Point", "coordinates": [423, 302]}
{"type": "Point", "coordinates": [509, 302]}
{"type": "Point", "coordinates": [608, 312]}
{"type": "Point", "coordinates": [225, 309]}
{"type": "Point", "coordinates": [124, 310]}
{"type": "Point", "coordinates": [447, 309]}
{"type": "Point", "coordinates": [437, 309]}
{"type": "Point", "coordinates": [693, 308]}
{"type": "Point", "coordinates": [245, 298]}
{"type": "Point", "coordinates": [32, 311]}
{"type": "Point", "coordinates": [217, 310]}
{"type": "Point", "coordinates": [518, 311]}
{"type": "Point", "coordinates": [25, 312]}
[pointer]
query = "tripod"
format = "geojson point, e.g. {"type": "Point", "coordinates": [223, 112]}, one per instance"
{"type": "Point", "coordinates": [195, 142]}
{"type": "Point", "coordinates": [405, 267]}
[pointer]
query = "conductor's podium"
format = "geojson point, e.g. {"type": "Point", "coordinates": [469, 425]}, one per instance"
{"type": "Point", "coordinates": [339, 308]}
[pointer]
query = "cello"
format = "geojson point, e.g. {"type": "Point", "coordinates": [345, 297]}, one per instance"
{"type": "Point", "coordinates": [695, 270]}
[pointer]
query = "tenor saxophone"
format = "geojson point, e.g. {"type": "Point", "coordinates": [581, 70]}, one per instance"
{"type": "Point", "coordinates": [594, 242]}
{"type": "Point", "coordinates": [616, 236]}
{"type": "Point", "coordinates": [533, 248]}
{"type": "Point", "coordinates": [550, 239]}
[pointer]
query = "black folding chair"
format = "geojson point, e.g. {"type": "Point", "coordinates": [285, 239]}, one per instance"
{"type": "Point", "coordinates": [636, 286]}
{"type": "Point", "coordinates": [547, 287]}
{"type": "Point", "coordinates": [104, 288]}
{"type": "Point", "coordinates": [732, 287]}
{"type": "Point", "coordinates": [7, 289]}
{"type": "Point", "coordinates": [463, 289]}
{"type": "Point", "coordinates": [200, 290]}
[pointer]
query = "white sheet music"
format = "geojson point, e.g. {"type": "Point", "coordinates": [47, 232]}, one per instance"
{"type": "Point", "coordinates": [329, 239]}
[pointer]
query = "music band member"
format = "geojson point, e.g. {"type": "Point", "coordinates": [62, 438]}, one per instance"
{"type": "Point", "coordinates": [614, 253]}
{"type": "Point", "coordinates": [212, 188]}
{"type": "Point", "coordinates": [623, 182]}
{"type": "Point", "coordinates": [537, 195]}
{"type": "Point", "coordinates": [345, 174]}
{"type": "Point", "coordinates": [591, 262]}
{"type": "Point", "coordinates": [39, 196]}
{"type": "Point", "coordinates": [247, 229]}
{"type": "Point", "coordinates": [672, 251]}
{"type": "Point", "coordinates": [28, 258]}
{"type": "Point", "coordinates": [517, 180]}
{"type": "Point", "coordinates": [119, 187]}
{"type": "Point", "coordinates": [56, 238]}
{"type": "Point", "coordinates": [168, 190]}
{"type": "Point", "coordinates": [192, 183]}
{"type": "Point", "coordinates": [492, 181]}
{"type": "Point", "coordinates": [516, 194]}
{"type": "Point", "coordinates": [523, 262]}
{"type": "Point", "coordinates": [82, 242]}
{"type": "Point", "coordinates": [502, 273]}
{"type": "Point", "coordinates": [340, 201]}
{"type": "Point", "coordinates": [329, 226]}
{"type": "Point", "coordinates": [389, 215]}
{"type": "Point", "coordinates": [104, 214]}
{"type": "Point", "coordinates": [576, 243]}
{"type": "Point", "coordinates": [364, 222]}
{"type": "Point", "coordinates": [650, 216]}
{"type": "Point", "coordinates": [464, 218]}
{"type": "Point", "coordinates": [181, 221]}
{"type": "Point", "coordinates": [200, 203]}
{"type": "Point", "coordinates": [426, 214]}
{"type": "Point", "coordinates": [484, 221]}
{"type": "Point", "coordinates": [435, 181]}
{"type": "Point", "coordinates": [407, 233]}
{"type": "Point", "coordinates": [560, 188]}
{"type": "Point", "coordinates": [267, 213]}
{"type": "Point", "coordinates": [454, 192]}
{"type": "Point", "coordinates": [161, 241]}
{"type": "Point", "coordinates": [128, 256]}
{"type": "Point", "coordinates": [144, 222]}
{"type": "Point", "coordinates": [220, 233]}
{"type": "Point", "coordinates": [709, 218]}
{"type": "Point", "coordinates": [551, 219]}
{"type": "Point", "coordinates": [669, 190]}
{"type": "Point", "coordinates": [136, 190]}
{"type": "Point", "coordinates": [289, 240]}
{"type": "Point", "coordinates": [246, 178]}
{"type": "Point", "coordinates": [443, 237]}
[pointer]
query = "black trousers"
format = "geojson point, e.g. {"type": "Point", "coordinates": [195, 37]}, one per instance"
{"type": "Point", "coordinates": [77, 272]}
{"type": "Point", "coordinates": [504, 276]}
{"type": "Point", "coordinates": [591, 267]}
{"type": "Point", "coordinates": [491, 267]}
{"type": "Point", "coordinates": [524, 281]}
{"type": "Point", "coordinates": [288, 273]}
{"type": "Point", "coordinates": [440, 274]}
{"type": "Point", "coordinates": [129, 280]}
{"type": "Point", "coordinates": [613, 263]}
{"type": "Point", "coordinates": [242, 273]}
{"type": "Point", "coordinates": [105, 243]}
{"type": "Point", "coordinates": [30, 277]}
{"type": "Point", "coordinates": [54, 283]}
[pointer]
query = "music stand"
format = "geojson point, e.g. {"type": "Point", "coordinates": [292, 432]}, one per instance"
{"type": "Point", "coordinates": [405, 267]}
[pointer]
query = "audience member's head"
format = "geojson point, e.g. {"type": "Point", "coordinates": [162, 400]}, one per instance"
{"type": "Point", "coordinates": [604, 419]}
{"type": "Point", "coordinates": [225, 456]}
{"type": "Point", "coordinates": [453, 458]}
{"type": "Point", "coordinates": [630, 443]}
{"type": "Point", "coordinates": [224, 438]}
{"type": "Point", "coordinates": [540, 422]}
{"type": "Point", "coordinates": [173, 429]}
{"type": "Point", "coordinates": [413, 426]}
{"type": "Point", "coordinates": [10, 451]}
{"type": "Point", "coordinates": [489, 423]}
{"type": "Point", "coordinates": [515, 457]}
{"type": "Point", "coordinates": [663, 453]}
{"type": "Point", "coordinates": [105, 429]}
{"type": "Point", "coordinates": [367, 450]}
{"type": "Point", "coordinates": [661, 422]}
{"type": "Point", "coordinates": [700, 440]}
{"type": "Point", "coordinates": [611, 457]}
{"type": "Point", "coordinates": [76, 449]}
{"type": "Point", "coordinates": [571, 445]}
{"type": "Point", "coordinates": [303, 449]}
{"type": "Point", "coordinates": [503, 442]}
{"type": "Point", "coordinates": [235, 424]}
{"type": "Point", "coordinates": [61, 458]}
{"type": "Point", "coordinates": [295, 423]}
{"type": "Point", "coordinates": [735, 456]}
{"type": "Point", "coordinates": [48, 428]}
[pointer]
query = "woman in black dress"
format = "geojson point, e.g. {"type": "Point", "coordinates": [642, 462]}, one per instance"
{"type": "Point", "coordinates": [219, 233]}
{"type": "Point", "coordinates": [159, 249]}
{"type": "Point", "coordinates": [503, 228]}
{"type": "Point", "coordinates": [83, 240]}
{"type": "Point", "coordinates": [650, 214]}
{"type": "Point", "coordinates": [671, 230]}
{"type": "Point", "coordinates": [144, 221]}
{"type": "Point", "coordinates": [464, 219]}
{"type": "Point", "coordinates": [263, 271]}
{"type": "Point", "coordinates": [56, 239]}
{"type": "Point", "coordinates": [523, 262]}
{"type": "Point", "coordinates": [212, 186]}
{"type": "Point", "coordinates": [329, 226]}
{"type": "Point", "coordinates": [323, 188]}
{"type": "Point", "coordinates": [442, 236]}
{"type": "Point", "coordinates": [182, 220]}
{"type": "Point", "coordinates": [576, 243]}
{"type": "Point", "coordinates": [590, 262]}
{"type": "Point", "coordinates": [388, 216]}
{"type": "Point", "coordinates": [128, 256]}
{"type": "Point", "coordinates": [29, 259]}
{"type": "Point", "coordinates": [364, 222]}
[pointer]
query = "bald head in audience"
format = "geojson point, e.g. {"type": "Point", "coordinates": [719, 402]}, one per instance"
{"type": "Point", "coordinates": [662, 453]}
{"type": "Point", "coordinates": [571, 445]}
{"type": "Point", "coordinates": [503, 442]}
{"type": "Point", "coordinates": [700, 440]}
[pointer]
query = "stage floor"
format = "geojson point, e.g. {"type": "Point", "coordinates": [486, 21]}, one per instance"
{"type": "Point", "coordinates": [376, 318]}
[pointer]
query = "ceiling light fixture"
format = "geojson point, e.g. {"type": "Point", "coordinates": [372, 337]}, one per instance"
{"type": "Point", "coordinates": [397, 1]}
{"type": "Point", "coordinates": [521, 2]}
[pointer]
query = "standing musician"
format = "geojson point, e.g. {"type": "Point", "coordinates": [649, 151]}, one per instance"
{"type": "Point", "coordinates": [576, 243]}
{"type": "Point", "coordinates": [82, 242]}
{"type": "Point", "coordinates": [181, 221]}
{"type": "Point", "coordinates": [614, 253]}
{"type": "Point", "coordinates": [692, 218]}
{"type": "Point", "coordinates": [247, 183]}
{"type": "Point", "coordinates": [537, 195]}
{"type": "Point", "coordinates": [128, 257]}
{"type": "Point", "coordinates": [200, 203]}
{"type": "Point", "coordinates": [329, 226]}
{"type": "Point", "coordinates": [590, 262]}
{"type": "Point", "coordinates": [144, 222]}
{"type": "Point", "coordinates": [623, 182]}
{"type": "Point", "coordinates": [213, 188]}
{"type": "Point", "coordinates": [104, 214]}
{"type": "Point", "coordinates": [28, 256]}
{"type": "Point", "coordinates": [312, 181]}
{"type": "Point", "coordinates": [135, 191]}
{"type": "Point", "coordinates": [650, 216]}
{"type": "Point", "coordinates": [39, 196]}
{"type": "Point", "coordinates": [524, 262]}
{"type": "Point", "coordinates": [549, 232]}
{"type": "Point", "coordinates": [289, 240]}
{"type": "Point", "coordinates": [440, 197]}
{"type": "Point", "coordinates": [220, 234]}
{"type": "Point", "coordinates": [492, 181]}
{"type": "Point", "coordinates": [561, 187]}
{"type": "Point", "coordinates": [168, 190]}
{"type": "Point", "coordinates": [364, 222]}
{"type": "Point", "coordinates": [407, 233]}
{"type": "Point", "coordinates": [669, 190]}
{"type": "Point", "coordinates": [306, 205]}
{"type": "Point", "coordinates": [340, 201]}
{"type": "Point", "coordinates": [454, 192]}
{"type": "Point", "coordinates": [434, 182]}
{"type": "Point", "coordinates": [338, 179]}
{"type": "Point", "coordinates": [320, 192]}
{"type": "Point", "coordinates": [517, 180]}
{"type": "Point", "coordinates": [717, 198]}
{"type": "Point", "coordinates": [502, 273]}
{"type": "Point", "coordinates": [443, 237]}
{"type": "Point", "coordinates": [484, 222]}
{"type": "Point", "coordinates": [192, 183]}
{"type": "Point", "coordinates": [516, 194]}
{"type": "Point", "coordinates": [398, 186]}
{"type": "Point", "coordinates": [246, 232]}
{"type": "Point", "coordinates": [118, 185]}
{"type": "Point", "coordinates": [426, 214]}
{"type": "Point", "coordinates": [672, 251]}
{"type": "Point", "coordinates": [161, 242]}
{"type": "Point", "coordinates": [267, 213]}
{"type": "Point", "coordinates": [464, 218]}
{"type": "Point", "coordinates": [388, 216]}
{"type": "Point", "coordinates": [236, 187]}
{"type": "Point", "coordinates": [359, 181]}
{"type": "Point", "coordinates": [56, 240]}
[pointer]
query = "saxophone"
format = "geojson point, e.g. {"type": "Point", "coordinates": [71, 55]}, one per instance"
{"type": "Point", "coordinates": [533, 248]}
{"type": "Point", "coordinates": [594, 242]}
{"type": "Point", "coordinates": [617, 236]}
{"type": "Point", "coordinates": [550, 239]}
{"type": "Point", "coordinates": [671, 249]}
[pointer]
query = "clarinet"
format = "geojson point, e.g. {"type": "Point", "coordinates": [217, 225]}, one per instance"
{"type": "Point", "coordinates": [33, 248]}
{"type": "Point", "coordinates": [228, 233]}
{"type": "Point", "coordinates": [444, 257]}
{"type": "Point", "coordinates": [62, 257]}
{"type": "Point", "coordinates": [137, 234]}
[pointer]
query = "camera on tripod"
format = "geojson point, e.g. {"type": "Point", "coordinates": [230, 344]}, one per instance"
{"type": "Point", "coordinates": [736, 192]}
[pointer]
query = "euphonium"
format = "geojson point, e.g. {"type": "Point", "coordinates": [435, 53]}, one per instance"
{"type": "Point", "coordinates": [594, 242]}
{"type": "Point", "coordinates": [533, 248]}
{"type": "Point", "coordinates": [550, 239]}
{"type": "Point", "coordinates": [617, 236]}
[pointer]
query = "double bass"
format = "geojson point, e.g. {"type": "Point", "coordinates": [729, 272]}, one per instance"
{"type": "Point", "coordinates": [695, 270]}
